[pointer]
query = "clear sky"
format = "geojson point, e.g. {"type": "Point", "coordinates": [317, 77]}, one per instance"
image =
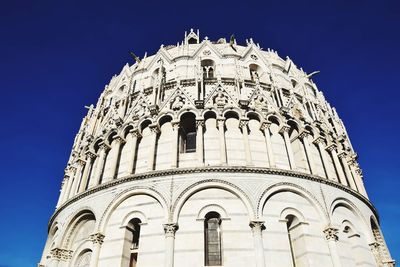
{"type": "Point", "coordinates": [57, 57]}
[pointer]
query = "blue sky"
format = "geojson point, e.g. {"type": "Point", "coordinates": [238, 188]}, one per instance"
{"type": "Point", "coordinates": [56, 57]}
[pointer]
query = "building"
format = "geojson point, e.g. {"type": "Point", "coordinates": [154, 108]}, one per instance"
{"type": "Point", "coordinates": [213, 154]}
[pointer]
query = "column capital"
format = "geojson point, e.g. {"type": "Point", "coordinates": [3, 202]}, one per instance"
{"type": "Point", "coordinates": [135, 132]}
{"type": "Point", "coordinates": [170, 229]}
{"type": "Point", "coordinates": [265, 125]}
{"type": "Point", "coordinates": [80, 162]}
{"type": "Point", "coordinates": [97, 238]}
{"type": "Point", "coordinates": [284, 128]}
{"type": "Point", "coordinates": [118, 139]}
{"type": "Point", "coordinates": [243, 123]}
{"type": "Point", "coordinates": [257, 224]}
{"type": "Point", "coordinates": [175, 124]}
{"type": "Point", "coordinates": [61, 254]}
{"type": "Point", "coordinates": [319, 140]}
{"type": "Point", "coordinates": [342, 154]}
{"type": "Point", "coordinates": [331, 233]}
{"type": "Point", "coordinates": [331, 147]}
{"type": "Point", "coordinates": [90, 154]}
{"type": "Point", "coordinates": [104, 146]}
{"type": "Point", "coordinates": [303, 134]}
{"type": "Point", "coordinates": [221, 120]}
{"type": "Point", "coordinates": [154, 128]}
{"type": "Point", "coordinates": [199, 122]}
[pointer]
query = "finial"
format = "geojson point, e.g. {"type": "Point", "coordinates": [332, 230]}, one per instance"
{"type": "Point", "coordinates": [206, 38]}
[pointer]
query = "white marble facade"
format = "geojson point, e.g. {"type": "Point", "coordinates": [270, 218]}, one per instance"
{"type": "Point", "coordinates": [213, 154]}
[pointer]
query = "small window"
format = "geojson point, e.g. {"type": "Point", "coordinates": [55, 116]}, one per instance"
{"type": "Point", "coordinates": [187, 133]}
{"type": "Point", "coordinates": [133, 229]}
{"type": "Point", "coordinates": [212, 239]}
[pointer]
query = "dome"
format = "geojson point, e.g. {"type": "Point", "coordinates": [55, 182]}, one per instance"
{"type": "Point", "coordinates": [217, 154]}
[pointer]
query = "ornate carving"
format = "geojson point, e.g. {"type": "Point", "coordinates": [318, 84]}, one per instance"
{"type": "Point", "coordinates": [330, 147]}
{"type": "Point", "coordinates": [284, 128]}
{"type": "Point", "coordinates": [199, 123]}
{"type": "Point", "coordinates": [170, 229]}
{"type": "Point", "coordinates": [104, 146]}
{"type": "Point", "coordinates": [257, 225]}
{"type": "Point", "coordinates": [331, 233]}
{"type": "Point", "coordinates": [221, 99]}
{"type": "Point", "coordinates": [97, 238]}
{"type": "Point", "coordinates": [61, 254]}
{"type": "Point", "coordinates": [178, 103]}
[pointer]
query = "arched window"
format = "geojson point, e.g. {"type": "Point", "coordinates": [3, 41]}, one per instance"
{"type": "Point", "coordinates": [297, 242]}
{"type": "Point", "coordinates": [212, 239]}
{"type": "Point", "coordinates": [187, 133]}
{"type": "Point", "coordinates": [208, 68]}
{"type": "Point", "coordinates": [133, 236]}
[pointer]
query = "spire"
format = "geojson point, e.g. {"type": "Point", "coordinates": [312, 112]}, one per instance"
{"type": "Point", "coordinates": [192, 37]}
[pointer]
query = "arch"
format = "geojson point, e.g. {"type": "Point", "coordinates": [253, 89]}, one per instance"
{"type": "Point", "coordinates": [275, 119]}
{"type": "Point", "coordinates": [132, 215]}
{"type": "Point", "coordinates": [212, 208]}
{"type": "Point", "coordinates": [292, 211]}
{"type": "Point", "coordinates": [126, 194]}
{"type": "Point", "coordinates": [209, 113]}
{"type": "Point", "coordinates": [163, 119]}
{"type": "Point", "coordinates": [85, 213]}
{"type": "Point", "coordinates": [110, 135]}
{"type": "Point", "coordinates": [232, 112]}
{"type": "Point", "coordinates": [85, 253]}
{"type": "Point", "coordinates": [97, 142]}
{"type": "Point", "coordinates": [182, 112]}
{"type": "Point", "coordinates": [342, 202]}
{"type": "Point", "coordinates": [294, 188]}
{"type": "Point", "coordinates": [254, 114]}
{"type": "Point", "coordinates": [144, 123]}
{"type": "Point", "coordinates": [126, 128]}
{"type": "Point", "coordinates": [206, 184]}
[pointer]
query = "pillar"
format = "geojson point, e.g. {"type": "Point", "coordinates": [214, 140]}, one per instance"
{"type": "Point", "coordinates": [100, 165]}
{"type": "Point", "coordinates": [243, 125]}
{"type": "Point", "coordinates": [97, 240]}
{"type": "Point", "coordinates": [77, 177]}
{"type": "Point", "coordinates": [332, 237]}
{"type": "Point", "coordinates": [200, 141]}
{"type": "Point", "coordinates": [357, 174]}
{"type": "Point", "coordinates": [319, 141]}
{"type": "Point", "coordinates": [69, 177]}
{"type": "Point", "coordinates": [114, 156]}
{"type": "Point", "coordinates": [304, 139]}
{"type": "Point", "coordinates": [342, 178]}
{"type": "Point", "coordinates": [346, 168]}
{"type": "Point", "coordinates": [62, 191]}
{"type": "Point", "coordinates": [174, 148]}
{"type": "Point", "coordinates": [256, 228]}
{"type": "Point", "coordinates": [284, 130]}
{"type": "Point", "coordinates": [170, 229]}
{"type": "Point", "coordinates": [133, 135]}
{"type": "Point", "coordinates": [265, 128]}
{"type": "Point", "coordinates": [86, 171]}
{"type": "Point", "coordinates": [222, 143]}
{"type": "Point", "coordinates": [154, 133]}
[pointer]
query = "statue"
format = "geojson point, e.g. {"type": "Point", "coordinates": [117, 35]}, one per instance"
{"type": "Point", "coordinates": [220, 99]}
{"type": "Point", "coordinates": [177, 103]}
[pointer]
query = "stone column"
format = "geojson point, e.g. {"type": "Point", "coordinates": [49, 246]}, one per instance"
{"type": "Point", "coordinates": [332, 237]}
{"type": "Point", "coordinates": [339, 170]}
{"type": "Point", "coordinates": [114, 157]}
{"type": "Point", "coordinates": [170, 229]}
{"type": "Point", "coordinates": [174, 148]}
{"type": "Point", "coordinates": [284, 130]}
{"type": "Point", "coordinates": [319, 141]}
{"type": "Point", "coordinates": [265, 128]}
{"type": "Point", "coordinates": [257, 227]}
{"type": "Point", "coordinates": [200, 141]}
{"type": "Point", "coordinates": [97, 240]}
{"type": "Point", "coordinates": [77, 177]}
{"type": "Point", "coordinates": [60, 256]}
{"type": "Point", "coordinates": [357, 174]}
{"type": "Point", "coordinates": [100, 165]}
{"type": "Point", "coordinates": [67, 186]}
{"type": "Point", "coordinates": [62, 191]}
{"type": "Point", "coordinates": [222, 143]}
{"type": "Point", "coordinates": [346, 168]}
{"type": "Point", "coordinates": [133, 135]}
{"type": "Point", "coordinates": [243, 125]}
{"type": "Point", "coordinates": [304, 139]}
{"type": "Point", "coordinates": [154, 133]}
{"type": "Point", "coordinates": [86, 171]}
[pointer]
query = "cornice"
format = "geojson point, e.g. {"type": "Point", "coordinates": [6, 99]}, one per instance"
{"type": "Point", "coordinates": [212, 169]}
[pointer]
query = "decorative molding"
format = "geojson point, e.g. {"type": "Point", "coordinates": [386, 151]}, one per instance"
{"type": "Point", "coordinates": [170, 229]}
{"type": "Point", "coordinates": [331, 233]}
{"type": "Point", "coordinates": [61, 254]}
{"type": "Point", "coordinates": [97, 238]}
